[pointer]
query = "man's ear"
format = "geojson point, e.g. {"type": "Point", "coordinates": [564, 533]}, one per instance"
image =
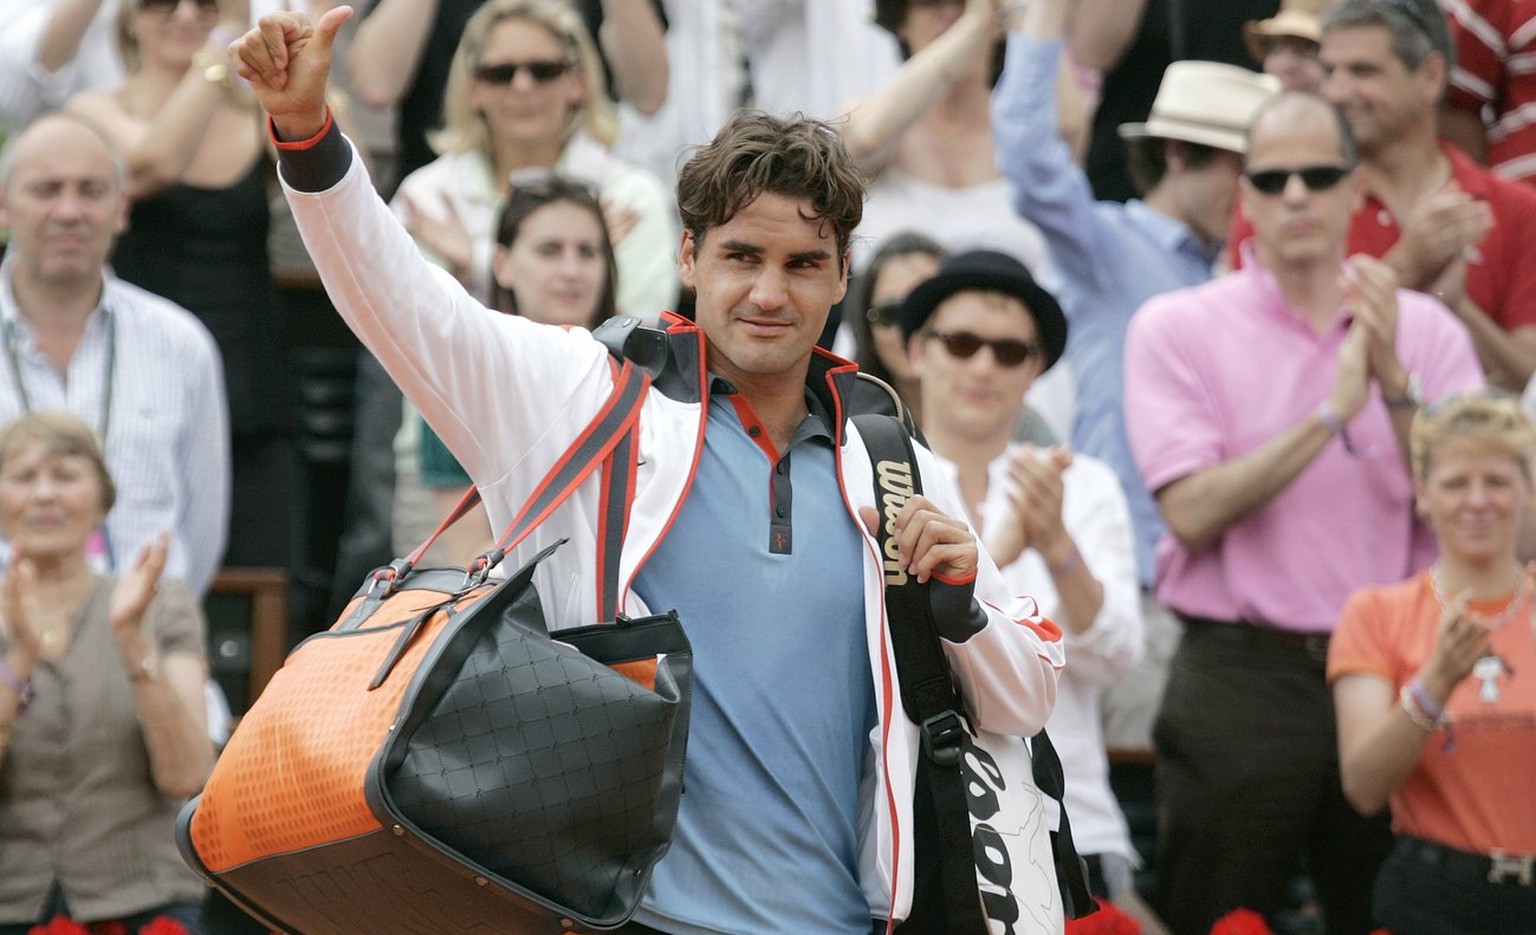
{"type": "Point", "coordinates": [686, 251]}
{"type": "Point", "coordinates": [124, 208]}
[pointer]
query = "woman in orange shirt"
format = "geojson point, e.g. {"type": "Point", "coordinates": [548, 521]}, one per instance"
{"type": "Point", "coordinates": [1434, 683]}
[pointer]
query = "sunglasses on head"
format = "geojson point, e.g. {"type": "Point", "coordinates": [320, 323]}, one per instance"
{"type": "Point", "coordinates": [168, 6]}
{"type": "Point", "coordinates": [504, 73]}
{"type": "Point", "coordinates": [1007, 351]}
{"type": "Point", "coordinates": [1316, 178]}
{"type": "Point", "coordinates": [885, 314]}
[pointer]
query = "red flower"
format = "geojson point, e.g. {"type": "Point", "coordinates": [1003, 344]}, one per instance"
{"type": "Point", "coordinates": [59, 925]}
{"type": "Point", "coordinates": [1241, 922]}
{"type": "Point", "coordinates": [163, 925]}
{"type": "Point", "coordinates": [1107, 919]}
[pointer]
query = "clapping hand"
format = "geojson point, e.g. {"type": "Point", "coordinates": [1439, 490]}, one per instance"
{"type": "Point", "coordinates": [137, 587]}
{"type": "Point", "coordinates": [1033, 519]}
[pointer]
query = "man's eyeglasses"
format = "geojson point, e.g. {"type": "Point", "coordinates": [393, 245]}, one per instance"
{"type": "Point", "coordinates": [166, 7]}
{"type": "Point", "coordinates": [1316, 178]}
{"type": "Point", "coordinates": [1007, 351]}
{"type": "Point", "coordinates": [504, 73]}
{"type": "Point", "coordinates": [885, 314]}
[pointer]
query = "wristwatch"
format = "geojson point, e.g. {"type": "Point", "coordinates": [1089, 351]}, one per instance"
{"type": "Point", "coordinates": [1413, 395]}
{"type": "Point", "coordinates": [148, 670]}
{"type": "Point", "coordinates": [214, 71]}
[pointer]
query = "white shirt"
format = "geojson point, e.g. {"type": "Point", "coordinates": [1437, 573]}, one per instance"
{"type": "Point", "coordinates": [814, 56]}
{"type": "Point", "coordinates": [167, 426]}
{"type": "Point", "coordinates": [706, 81]}
{"type": "Point", "coordinates": [26, 91]}
{"type": "Point", "coordinates": [1096, 516]}
{"type": "Point", "coordinates": [646, 257]}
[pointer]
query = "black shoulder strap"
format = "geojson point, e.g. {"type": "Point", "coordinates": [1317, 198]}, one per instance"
{"type": "Point", "coordinates": [928, 695]}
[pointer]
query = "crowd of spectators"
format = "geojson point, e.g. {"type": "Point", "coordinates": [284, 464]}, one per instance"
{"type": "Point", "coordinates": [1177, 288]}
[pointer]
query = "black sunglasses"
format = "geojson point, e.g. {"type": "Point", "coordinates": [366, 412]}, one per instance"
{"type": "Point", "coordinates": [1316, 178]}
{"type": "Point", "coordinates": [167, 6]}
{"type": "Point", "coordinates": [506, 72]}
{"type": "Point", "coordinates": [885, 314]}
{"type": "Point", "coordinates": [1007, 351]}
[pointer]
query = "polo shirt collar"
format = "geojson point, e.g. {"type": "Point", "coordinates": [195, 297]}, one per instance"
{"type": "Point", "coordinates": [1269, 299]}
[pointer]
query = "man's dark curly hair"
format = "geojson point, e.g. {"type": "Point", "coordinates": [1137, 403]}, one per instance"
{"type": "Point", "coordinates": [756, 153]}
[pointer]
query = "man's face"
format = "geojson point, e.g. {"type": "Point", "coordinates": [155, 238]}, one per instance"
{"type": "Point", "coordinates": [1379, 96]}
{"type": "Point", "coordinates": [63, 205]}
{"type": "Point", "coordinates": [1300, 224]}
{"type": "Point", "coordinates": [1206, 194]}
{"type": "Point", "coordinates": [977, 396]}
{"type": "Point", "coordinates": [765, 281]}
{"type": "Point", "coordinates": [1294, 61]}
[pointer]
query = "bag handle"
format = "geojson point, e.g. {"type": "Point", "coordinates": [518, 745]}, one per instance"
{"type": "Point", "coordinates": [608, 440]}
{"type": "Point", "coordinates": [928, 695]}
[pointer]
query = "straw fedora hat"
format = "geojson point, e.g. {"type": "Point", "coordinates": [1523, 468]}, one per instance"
{"type": "Point", "coordinates": [1208, 103]}
{"type": "Point", "coordinates": [1297, 18]}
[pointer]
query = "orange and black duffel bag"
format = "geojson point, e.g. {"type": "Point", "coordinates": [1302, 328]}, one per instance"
{"type": "Point", "coordinates": [438, 762]}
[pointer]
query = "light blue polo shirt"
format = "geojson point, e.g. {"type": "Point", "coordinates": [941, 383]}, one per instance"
{"type": "Point", "coordinates": [764, 566]}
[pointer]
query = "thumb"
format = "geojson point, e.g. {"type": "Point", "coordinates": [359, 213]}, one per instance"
{"type": "Point", "coordinates": [871, 518]}
{"type": "Point", "coordinates": [329, 24]}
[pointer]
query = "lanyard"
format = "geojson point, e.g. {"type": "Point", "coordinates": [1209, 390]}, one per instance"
{"type": "Point", "coordinates": [110, 371]}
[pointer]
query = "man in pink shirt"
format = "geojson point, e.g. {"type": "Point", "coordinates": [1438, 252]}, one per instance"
{"type": "Point", "coordinates": [1268, 411]}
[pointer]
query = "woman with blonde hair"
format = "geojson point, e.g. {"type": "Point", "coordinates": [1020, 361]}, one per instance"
{"type": "Point", "coordinates": [1434, 685]}
{"type": "Point", "coordinates": [103, 727]}
{"type": "Point", "coordinates": [526, 92]}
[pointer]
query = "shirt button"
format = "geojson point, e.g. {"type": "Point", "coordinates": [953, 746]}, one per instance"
{"type": "Point", "coordinates": [780, 512]}
{"type": "Point", "coordinates": [781, 468]}
{"type": "Point", "coordinates": [754, 431]}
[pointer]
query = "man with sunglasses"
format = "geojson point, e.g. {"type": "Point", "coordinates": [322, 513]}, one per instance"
{"type": "Point", "coordinates": [1112, 257]}
{"type": "Point", "coordinates": [1269, 413]}
{"type": "Point", "coordinates": [1446, 225]}
{"type": "Point", "coordinates": [979, 333]}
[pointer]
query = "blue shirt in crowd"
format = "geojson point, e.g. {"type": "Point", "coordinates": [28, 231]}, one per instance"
{"type": "Point", "coordinates": [1110, 257]}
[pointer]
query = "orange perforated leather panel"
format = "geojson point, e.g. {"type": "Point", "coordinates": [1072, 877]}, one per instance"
{"type": "Point", "coordinates": [292, 775]}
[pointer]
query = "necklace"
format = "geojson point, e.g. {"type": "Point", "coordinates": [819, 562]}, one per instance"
{"type": "Point", "coordinates": [1516, 601]}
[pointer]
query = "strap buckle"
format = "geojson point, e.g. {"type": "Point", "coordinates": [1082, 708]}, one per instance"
{"type": "Point", "coordinates": [1502, 866]}
{"type": "Point", "coordinates": [941, 738]}
{"type": "Point", "coordinates": [480, 568]}
{"type": "Point", "coordinates": [387, 580]}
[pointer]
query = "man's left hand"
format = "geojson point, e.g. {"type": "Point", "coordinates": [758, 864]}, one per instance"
{"type": "Point", "coordinates": [1370, 295]}
{"type": "Point", "coordinates": [930, 542]}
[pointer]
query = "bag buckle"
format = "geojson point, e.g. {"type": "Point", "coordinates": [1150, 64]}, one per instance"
{"type": "Point", "coordinates": [941, 738]}
{"type": "Point", "coordinates": [480, 568]}
{"type": "Point", "coordinates": [1502, 866]}
{"type": "Point", "coordinates": [388, 579]}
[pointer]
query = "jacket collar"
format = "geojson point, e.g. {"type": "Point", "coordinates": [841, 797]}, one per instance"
{"type": "Point", "coordinates": [830, 379]}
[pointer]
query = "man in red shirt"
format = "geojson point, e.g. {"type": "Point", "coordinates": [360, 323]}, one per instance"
{"type": "Point", "coordinates": [1446, 225]}
{"type": "Point", "coordinates": [1494, 73]}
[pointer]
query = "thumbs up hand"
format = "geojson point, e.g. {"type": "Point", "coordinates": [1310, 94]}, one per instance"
{"type": "Point", "coordinates": [286, 58]}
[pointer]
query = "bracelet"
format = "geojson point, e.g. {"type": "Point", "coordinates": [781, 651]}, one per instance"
{"type": "Point", "coordinates": [1426, 704]}
{"type": "Point", "coordinates": [1073, 563]}
{"type": "Point", "coordinates": [22, 687]}
{"type": "Point", "coordinates": [1334, 424]}
{"type": "Point", "coordinates": [1411, 708]}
